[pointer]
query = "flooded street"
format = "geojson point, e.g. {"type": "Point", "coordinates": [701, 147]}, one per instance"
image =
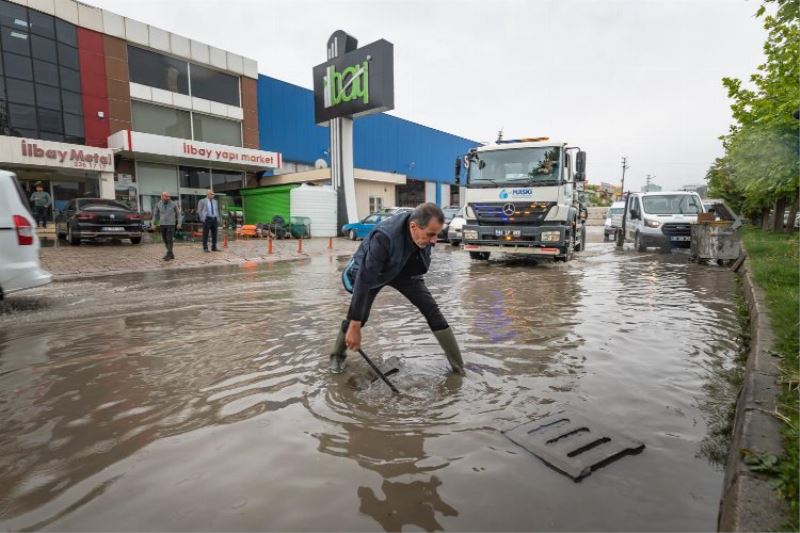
{"type": "Point", "coordinates": [200, 400]}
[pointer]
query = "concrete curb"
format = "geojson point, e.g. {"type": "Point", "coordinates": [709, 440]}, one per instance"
{"type": "Point", "coordinates": [749, 502]}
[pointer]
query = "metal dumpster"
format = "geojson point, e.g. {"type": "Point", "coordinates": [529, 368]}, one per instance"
{"type": "Point", "coordinates": [716, 241]}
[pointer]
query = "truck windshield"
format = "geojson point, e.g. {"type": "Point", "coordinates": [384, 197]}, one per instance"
{"type": "Point", "coordinates": [519, 166]}
{"type": "Point", "coordinates": [672, 204]}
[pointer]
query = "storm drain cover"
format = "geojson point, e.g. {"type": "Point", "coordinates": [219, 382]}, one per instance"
{"type": "Point", "coordinates": [572, 444]}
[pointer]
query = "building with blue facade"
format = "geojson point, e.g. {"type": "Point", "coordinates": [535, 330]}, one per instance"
{"type": "Point", "coordinates": [397, 162]}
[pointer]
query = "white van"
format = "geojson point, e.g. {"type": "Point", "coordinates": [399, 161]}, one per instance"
{"type": "Point", "coordinates": [613, 220]}
{"type": "Point", "coordinates": [661, 219]}
{"type": "Point", "coordinates": [19, 244]}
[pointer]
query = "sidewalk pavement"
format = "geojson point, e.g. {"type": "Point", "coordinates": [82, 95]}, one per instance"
{"type": "Point", "coordinates": [93, 259]}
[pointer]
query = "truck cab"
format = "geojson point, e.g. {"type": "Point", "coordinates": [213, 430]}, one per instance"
{"type": "Point", "coordinates": [522, 198]}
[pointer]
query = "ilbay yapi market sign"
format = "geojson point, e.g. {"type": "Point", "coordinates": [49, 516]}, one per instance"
{"type": "Point", "coordinates": [356, 83]}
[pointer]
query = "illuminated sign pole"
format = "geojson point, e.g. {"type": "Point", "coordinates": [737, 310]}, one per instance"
{"type": "Point", "coordinates": [352, 83]}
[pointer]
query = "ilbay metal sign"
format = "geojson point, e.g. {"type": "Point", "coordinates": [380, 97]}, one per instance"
{"type": "Point", "coordinates": [357, 83]}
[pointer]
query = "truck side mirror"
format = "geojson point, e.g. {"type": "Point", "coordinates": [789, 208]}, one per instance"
{"type": "Point", "coordinates": [580, 166]}
{"type": "Point", "coordinates": [458, 170]}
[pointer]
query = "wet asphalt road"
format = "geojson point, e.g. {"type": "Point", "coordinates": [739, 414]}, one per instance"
{"type": "Point", "coordinates": [199, 400]}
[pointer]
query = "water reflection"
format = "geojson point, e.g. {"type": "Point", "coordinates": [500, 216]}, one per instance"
{"type": "Point", "coordinates": [99, 384]}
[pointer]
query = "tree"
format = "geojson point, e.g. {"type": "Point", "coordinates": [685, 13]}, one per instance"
{"type": "Point", "coordinates": [761, 166]}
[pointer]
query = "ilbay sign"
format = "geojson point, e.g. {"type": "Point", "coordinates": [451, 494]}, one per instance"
{"type": "Point", "coordinates": [356, 83]}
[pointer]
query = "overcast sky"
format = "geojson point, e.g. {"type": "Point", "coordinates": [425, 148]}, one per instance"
{"type": "Point", "coordinates": [640, 78]}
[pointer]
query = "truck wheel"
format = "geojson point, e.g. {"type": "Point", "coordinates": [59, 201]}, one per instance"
{"type": "Point", "coordinates": [136, 240]}
{"type": "Point", "coordinates": [581, 245]}
{"type": "Point", "coordinates": [479, 256]}
{"type": "Point", "coordinates": [638, 244]}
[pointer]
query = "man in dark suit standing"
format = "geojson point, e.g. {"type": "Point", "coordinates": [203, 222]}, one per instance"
{"type": "Point", "coordinates": [208, 213]}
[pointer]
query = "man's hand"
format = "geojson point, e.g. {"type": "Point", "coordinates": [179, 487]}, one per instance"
{"type": "Point", "coordinates": [353, 337]}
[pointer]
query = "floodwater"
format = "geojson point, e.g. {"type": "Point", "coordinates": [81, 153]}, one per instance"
{"type": "Point", "coordinates": [200, 400]}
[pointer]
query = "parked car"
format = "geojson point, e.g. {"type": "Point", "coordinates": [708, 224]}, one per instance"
{"type": "Point", "coordinates": [661, 219]}
{"type": "Point", "coordinates": [360, 229]}
{"type": "Point", "coordinates": [393, 210]}
{"type": "Point", "coordinates": [95, 218]}
{"type": "Point", "coordinates": [449, 213]}
{"type": "Point", "coordinates": [613, 220]}
{"type": "Point", "coordinates": [455, 227]}
{"type": "Point", "coordinates": [19, 259]}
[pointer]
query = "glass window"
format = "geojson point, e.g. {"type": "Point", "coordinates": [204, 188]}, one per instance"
{"type": "Point", "coordinates": [17, 66]}
{"type": "Point", "coordinates": [226, 180]}
{"type": "Point", "coordinates": [157, 70]}
{"type": "Point", "coordinates": [45, 72]}
{"type": "Point", "coordinates": [70, 79]}
{"type": "Point", "coordinates": [48, 97]}
{"type": "Point", "coordinates": [71, 102]}
{"type": "Point", "coordinates": [155, 178]}
{"type": "Point", "coordinates": [22, 116]}
{"type": "Point", "coordinates": [73, 125]}
{"type": "Point", "coordinates": [50, 120]}
{"type": "Point", "coordinates": [214, 85]}
{"type": "Point", "coordinates": [2, 91]}
{"type": "Point", "coordinates": [50, 136]}
{"type": "Point", "coordinates": [43, 48]}
{"type": "Point", "coordinates": [217, 130]}
{"type": "Point", "coordinates": [68, 56]}
{"type": "Point", "coordinates": [20, 91]}
{"type": "Point", "coordinates": [65, 32]}
{"type": "Point", "coordinates": [13, 15]}
{"type": "Point", "coordinates": [195, 178]}
{"type": "Point", "coordinates": [42, 24]}
{"type": "Point", "coordinates": [17, 41]}
{"type": "Point", "coordinates": [150, 118]}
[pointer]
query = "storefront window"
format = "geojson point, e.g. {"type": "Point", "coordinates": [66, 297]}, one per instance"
{"type": "Point", "coordinates": [217, 130]}
{"type": "Point", "coordinates": [153, 179]}
{"type": "Point", "coordinates": [229, 183]}
{"type": "Point", "coordinates": [195, 178]}
{"type": "Point", "coordinates": [167, 121]}
{"type": "Point", "coordinates": [157, 70]}
{"type": "Point", "coordinates": [35, 47]}
{"type": "Point", "coordinates": [411, 194]}
{"type": "Point", "coordinates": [214, 85]}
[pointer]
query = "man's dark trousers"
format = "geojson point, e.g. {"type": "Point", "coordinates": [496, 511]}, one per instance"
{"type": "Point", "coordinates": [40, 214]}
{"type": "Point", "coordinates": [415, 290]}
{"type": "Point", "coordinates": [210, 224]}
{"type": "Point", "coordinates": [168, 234]}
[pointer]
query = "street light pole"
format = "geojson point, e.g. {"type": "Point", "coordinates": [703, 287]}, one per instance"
{"type": "Point", "coordinates": [624, 168]}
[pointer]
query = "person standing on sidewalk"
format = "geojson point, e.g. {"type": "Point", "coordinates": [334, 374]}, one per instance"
{"type": "Point", "coordinates": [396, 253]}
{"type": "Point", "coordinates": [208, 213]}
{"type": "Point", "coordinates": [166, 214]}
{"type": "Point", "coordinates": [41, 202]}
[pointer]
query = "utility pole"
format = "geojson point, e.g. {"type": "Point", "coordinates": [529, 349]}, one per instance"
{"type": "Point", "coordinates": [624, 168]}
{"type": "Point", "coordinates": [648, 180]}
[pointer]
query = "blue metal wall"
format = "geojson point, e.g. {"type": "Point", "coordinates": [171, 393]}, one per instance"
{"type": "Point", "coordinates": [381, 142]}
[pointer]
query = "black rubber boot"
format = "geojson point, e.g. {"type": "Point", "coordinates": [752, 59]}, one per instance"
{"type": "Point", "coordinates": [447, 340]}
{"type": "Point", "coordinates": [338, 355]}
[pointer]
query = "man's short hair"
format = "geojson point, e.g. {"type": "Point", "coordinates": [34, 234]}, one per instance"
{"type": "Point", "coordinates": [423, 214]}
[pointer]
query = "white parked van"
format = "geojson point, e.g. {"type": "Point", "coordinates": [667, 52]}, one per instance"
{"type": "Point", "coordinates": [661, 219]}
{"type": "Point", "coordinates": [19, 244]}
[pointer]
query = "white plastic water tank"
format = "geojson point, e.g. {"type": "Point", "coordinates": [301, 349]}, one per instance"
{"type": "Point", "coordinates": [317, 202]}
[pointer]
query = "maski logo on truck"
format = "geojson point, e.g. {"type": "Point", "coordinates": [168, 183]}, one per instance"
{"type": "Point", "coordinates": [516, 194]}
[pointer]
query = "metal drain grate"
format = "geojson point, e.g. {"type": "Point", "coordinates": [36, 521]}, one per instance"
{"type": "Point", "coordinates": [572, 444]}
